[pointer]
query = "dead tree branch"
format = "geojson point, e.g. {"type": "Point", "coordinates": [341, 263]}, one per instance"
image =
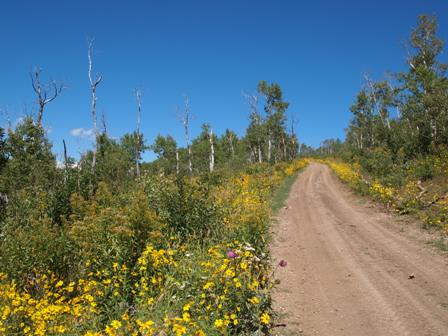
{"type": "Point", "coordinates": [94, 82]}
{"type": "Point", "coordinates": [45, 93]}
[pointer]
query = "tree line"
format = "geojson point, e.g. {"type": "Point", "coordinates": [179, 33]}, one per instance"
{"type": "Point", "coordinates": [407, 113]}
{"type": "Point", "coordinates": [402, 118]}
{"type": "Point", "coordinates": [267, 138]}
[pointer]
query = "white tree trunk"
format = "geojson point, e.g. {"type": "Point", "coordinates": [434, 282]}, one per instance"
{"type": "Point", "coordinates": [177, 161]}
{"type": "Point", "coordinates": [212, 152]}
{"type": "Point", "coordinates": [138, 97]}
{"type": "Point", "coordinates": [232, 150]}
{"type": "Point", "coordinates": [93, 85]}
{"type": "Point", "coordinates": [269, 148]}
{"type": "Point", "coordinates": [95, 130]}
{"type": "Point", "coordinates": [190, 165]}
{"type": "Point", "coordinates": [284, 148]}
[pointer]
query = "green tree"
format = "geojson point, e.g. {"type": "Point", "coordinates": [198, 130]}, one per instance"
{"type": "Point", "coordinates": [166, 149]}
{"type": "Point", "coordinates": [360, 130]}
{"type": "Point", "coordinates": [255, 132]}
{"type": "Point", "coordinates": [202, 150]}
{"type": "Point", "coordinates": [31, 162]}
{"type": "Point", "coordinates": [424, 97]}
{"type": "Point", "coordinates": [275, 108]}
{"type": "Point", "coordinates": [133, 144]}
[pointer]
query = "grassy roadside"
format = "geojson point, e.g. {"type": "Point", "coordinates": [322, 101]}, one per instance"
{"type": "Point", "coordinates": [278, 201]}
{"type": "Point", "coordinates": [282, 193]}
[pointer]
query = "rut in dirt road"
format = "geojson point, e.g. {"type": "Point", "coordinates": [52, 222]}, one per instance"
{"type": "Point", "coordinates": [350, 271]}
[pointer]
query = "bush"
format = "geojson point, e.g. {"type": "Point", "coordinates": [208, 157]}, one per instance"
{"type": "Point", "coordinates": [108, 228]}
{"type": "Point", "coordinates": [424, 168]}
{"type": "Point", "coordinates": [35, 249]}
{"type": "Point", "coordinates": [186, 206]}
{"type": "Point", "coordinates": [377, 162]}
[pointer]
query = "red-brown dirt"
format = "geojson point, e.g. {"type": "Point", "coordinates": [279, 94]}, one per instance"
{"type": "Point", "coordinates": [353, 269]}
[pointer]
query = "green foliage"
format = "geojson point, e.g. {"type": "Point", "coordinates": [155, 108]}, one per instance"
{"type": "Point", "coordinates": [187, 208]}
{"type": "Point", "coordinates": [377, 162]}
{"type": "Point", "coordinates": [30, 160]}
{"type": "Point", "coordinates": [282, 192]}
{"type": "Point", "coordinates": [202, 150]}
{"type": "Point", "coordinates": [109, 227]}
{"type": "Point", "coordinates": [165, 149]}
{"type": "Point", "coordinates": [34, 249]}
{"type": "Point", "coordinates": [3, 150]}
{"type": "Point", "coordinates": [424, 169]}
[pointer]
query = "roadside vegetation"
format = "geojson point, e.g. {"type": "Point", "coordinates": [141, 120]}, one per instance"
{"type": "Point", "coordinates": [152, 260]}
{"type": "Point", "coordinates": [282, 192]}
{"type": "Point", "coordinates": [414, 197]}
{"type": "Point", "coordinates": [109, 245]}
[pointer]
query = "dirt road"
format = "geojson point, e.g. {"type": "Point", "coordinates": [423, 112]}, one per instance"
{"type": "Point", "coordinates": [351, 269]}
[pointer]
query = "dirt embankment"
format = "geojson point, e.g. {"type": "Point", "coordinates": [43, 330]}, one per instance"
{"type": "Point", "coordinates": [351, 269]}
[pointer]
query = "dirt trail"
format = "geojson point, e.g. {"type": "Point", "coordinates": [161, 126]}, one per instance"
{"type": "Point", "coordinates": [350, 269]}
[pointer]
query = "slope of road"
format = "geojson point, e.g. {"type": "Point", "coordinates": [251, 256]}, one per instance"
{"type": "Point", "coordinates": [350, 270]}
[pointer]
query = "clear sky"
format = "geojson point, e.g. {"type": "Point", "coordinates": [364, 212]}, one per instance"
{"type": "Point", "coordinates": [212, 50]}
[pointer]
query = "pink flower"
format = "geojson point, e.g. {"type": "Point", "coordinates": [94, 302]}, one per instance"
{"type": "Point", "coordinates": [283, 263]}
{"type": "Point", "coordinates": [231, 254]}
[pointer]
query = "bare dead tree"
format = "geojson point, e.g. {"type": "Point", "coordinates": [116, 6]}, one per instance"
{"type": "Point", "coordinates": [65, 160]}
{"type": "Point", "coordinates": [138, 99]}
{"type": "Point", "coordinates": [212, 151]}
{"type": "Point", "coordinates": [177, 161]}
{"type": "Point", "coordinates": [185, 117]}
{"type": "Point", "coordinates": [94, 82]}
{"type": "Point", "coordinates": [45, 93]}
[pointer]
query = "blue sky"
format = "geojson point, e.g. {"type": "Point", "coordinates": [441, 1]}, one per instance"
{"type": "Point", "coordinates": [212, 50]}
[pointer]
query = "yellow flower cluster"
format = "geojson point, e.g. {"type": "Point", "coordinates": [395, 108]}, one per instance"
{"type": "Point", "coordinates": [383, 193]}
{"type": "Point", "coordinates": [346, 172]}
{"type": "Point", "coordinates": [175, 290]}
{"type": "Point", "coordinates": [45, 306]}
{"type": "Point", "coordinates": [246, 196]}
{"type": "Point", "coordinates": [438, 214]}
{"type": "Point", "coordinates": [412, 196]}
{"type": "Point", "coordinates": [295, 166]}
{"type": "Point", "coordinates": [350, 173]}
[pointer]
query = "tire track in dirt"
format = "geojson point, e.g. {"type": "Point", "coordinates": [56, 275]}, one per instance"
{"type": "Point", "coordinates": [348, 267]}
